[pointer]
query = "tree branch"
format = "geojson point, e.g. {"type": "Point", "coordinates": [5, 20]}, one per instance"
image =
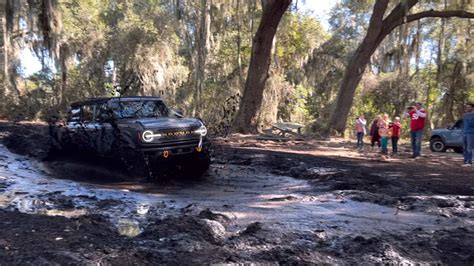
{"type": "Point", "coordinates": [391, 23]}
{"type": "Point", "coordinates": [395, 18]}
{"type": "Point", "coordinates": [398, 13]}
{"type": "Point", "coordinates": [439, 14]}
{"type": "Point", "coordinates": [376, 20]}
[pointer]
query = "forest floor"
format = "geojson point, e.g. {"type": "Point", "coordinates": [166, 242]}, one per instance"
{"type": "Point", "coordinates": [262, 202]}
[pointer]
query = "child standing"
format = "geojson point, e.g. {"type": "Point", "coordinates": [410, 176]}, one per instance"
{"type": "Point", "coordinates": [384, 133]}
{"type": "Point", "coordinates": [395, 128]}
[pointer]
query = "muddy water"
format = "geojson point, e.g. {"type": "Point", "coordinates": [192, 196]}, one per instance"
{"type": "Point", "coordinates": [242, 193]}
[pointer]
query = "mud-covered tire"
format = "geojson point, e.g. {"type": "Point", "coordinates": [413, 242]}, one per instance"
{"type": "Point", "coordinates": [131, 158]}
{"type": "Point", "coordinates": [437, 145]}
{"type": "Point", "coordinates": [196, 165]}
{"type": "Point", "coordinates": [61, 143]}
{"type": "Point", "coordinates": [201, 163]}
{"type": "Point", "coordinates": [191, 166]}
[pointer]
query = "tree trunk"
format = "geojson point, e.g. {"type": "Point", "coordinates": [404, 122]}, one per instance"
{"type": "Point", "coordinates": [418, 47]}
{"type": "Point", "coordinates": [251, 9]}
{"type": "Point", "coordinates": [239, 46]}
{"type": "Point", "coordinates": [4, 9]}
{"type": "Point", "coordinates": [247, 117]}
{"type": "Point", "coordinates": [439, 64]}
{"type": "Point", "coordinates": [439, 55]}
{"type": "Point", "coordinates": [202, 42]}
{"type": "Point", "coordinates": [63, 55]}
{"type": "Point", "coordinates": [450, 117]}
{"type": "Point", "coordinates": [356, 67]}
{"type": "Point", "coordinates": [378, 29]}
{"type": "Point", "coordinates": [5, 45]}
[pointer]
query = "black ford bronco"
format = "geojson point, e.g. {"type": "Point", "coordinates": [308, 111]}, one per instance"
{"type": "Point", "coordinates": [141, 132]}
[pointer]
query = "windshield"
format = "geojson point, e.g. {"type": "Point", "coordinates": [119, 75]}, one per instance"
{"type": "Point", "coordinates": [139, 109]}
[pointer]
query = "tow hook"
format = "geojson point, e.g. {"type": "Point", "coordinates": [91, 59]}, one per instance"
{"type": "Point", "coordinates": [199, 147]}
{"type": "Point", "coordinates": [166, 154]}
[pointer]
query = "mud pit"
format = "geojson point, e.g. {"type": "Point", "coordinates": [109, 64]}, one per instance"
{"type": "Point", "coordinates": [261, 202]}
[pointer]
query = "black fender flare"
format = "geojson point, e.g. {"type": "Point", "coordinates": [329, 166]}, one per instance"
{"type": "Point", "coordinates": [125, 138]}
{"type": "Point", "coordinates": [438, 137]}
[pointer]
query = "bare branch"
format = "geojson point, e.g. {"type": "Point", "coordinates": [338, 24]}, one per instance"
{"type": "Point", "coordinates": [391, 23]}
{"type": "Point", "coordinates": [440, 14]}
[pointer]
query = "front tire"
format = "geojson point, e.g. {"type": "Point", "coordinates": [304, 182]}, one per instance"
{"type": "Point", "coordinates": [131, 158]}
{"type": "Point", "coordinates": [437, 145]}
{"type": "Point", "coordinates": [197, 165]}
{"type": "Point", "coordinates": [202, 162]}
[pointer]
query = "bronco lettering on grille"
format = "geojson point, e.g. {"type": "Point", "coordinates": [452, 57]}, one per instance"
{"type": "Point", "coordinates": [179, 133]}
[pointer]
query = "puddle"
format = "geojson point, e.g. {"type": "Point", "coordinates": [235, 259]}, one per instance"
{"type": "Point", "coordinates": [324, 171]}
{"type": "Point", "coordinates": [237, 191]}
{"type": "Point", "coordinates": [258, 155]}
{"type": "Point", "coordinates": [38, 206]}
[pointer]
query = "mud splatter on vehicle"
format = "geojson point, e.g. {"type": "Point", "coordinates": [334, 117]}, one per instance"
{"type": "Point", "coordinates": [141, 133]}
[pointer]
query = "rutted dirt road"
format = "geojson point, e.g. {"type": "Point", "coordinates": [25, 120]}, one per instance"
{"type": "Point", "coordinates": [261, 202]}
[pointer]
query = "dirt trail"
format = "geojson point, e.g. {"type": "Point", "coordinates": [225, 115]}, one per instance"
{"type": "Point", "coordinates": [260, 202]}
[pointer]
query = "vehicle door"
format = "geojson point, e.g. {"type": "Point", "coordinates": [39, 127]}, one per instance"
{"type": "Point", "coordinates": [69, 136]}
{"type": "Point", "coordinates": [106, 134]}
{"type": "Point", "coordinates": [454, 135]}
{"type": "Point", "coordinates": [89, 128]}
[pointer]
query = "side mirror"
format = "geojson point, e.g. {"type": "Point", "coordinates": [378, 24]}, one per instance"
{"type": "Point", "coordinates": [178, 113]}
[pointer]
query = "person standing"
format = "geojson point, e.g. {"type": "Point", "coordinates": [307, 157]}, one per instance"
{"type": "Point", "coordinates": [384, 133]}
{"type": "Point", "coordinates": [417, 115]}
{"type": "Point", "coordinates": [360, 131]}
{"type": "Point", "coordinates": [395, 129]}
{"type": "Point", "coordinates": [468, 134]}
{"type": "Point", "coordinates": [374, 132]}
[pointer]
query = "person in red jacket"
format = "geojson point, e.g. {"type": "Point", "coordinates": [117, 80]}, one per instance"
{"type": "Point", "coordinates": [417, 115]}
{"type": "Point", "coordinates": [395, 130]}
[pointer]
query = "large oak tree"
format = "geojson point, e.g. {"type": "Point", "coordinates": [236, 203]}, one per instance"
{"type": "Point", "coordinates": [380, 26]}
{"type": "Point", "coordinates": [247, 116]}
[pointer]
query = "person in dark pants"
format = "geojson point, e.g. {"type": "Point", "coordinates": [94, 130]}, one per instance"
{"type": "Point", "coordinates": [468, 134]}
{"type": "Point", "coordinates": [374, 132]}
{"type": "Point", "coordinates": [417, 115]}
{"type": "Point", "coordinates": [395, 127]}
{"type": "Point", "coordinates": [360, 131]}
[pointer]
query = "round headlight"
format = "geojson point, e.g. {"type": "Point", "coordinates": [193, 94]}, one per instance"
{"type": "Point", "coordinates": [147, 136]}
{"type": "Point", "coordinates": [202, 131]}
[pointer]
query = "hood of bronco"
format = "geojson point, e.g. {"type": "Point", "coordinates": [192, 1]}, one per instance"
{"type": "Point", "coordinates": [168, 123]}
{"type": "Point", "coordinates": [439, 131]}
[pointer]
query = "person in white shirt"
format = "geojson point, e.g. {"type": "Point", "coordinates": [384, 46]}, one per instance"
{"type": "Point", "coordinates": [360, 130]}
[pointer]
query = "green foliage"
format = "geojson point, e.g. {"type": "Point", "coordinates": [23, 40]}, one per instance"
{"type": "Point", "coordinates": [150, 47]}
{"type": "Point", "coordinates": [404, 69]}
{"type": "Point", "coordinates": [298, 36]}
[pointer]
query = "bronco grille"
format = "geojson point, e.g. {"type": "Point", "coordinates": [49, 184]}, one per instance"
{"type": "Point", "coordinates": [177, 133]}
{"type": "Point", "coordinates": [177, 129]}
